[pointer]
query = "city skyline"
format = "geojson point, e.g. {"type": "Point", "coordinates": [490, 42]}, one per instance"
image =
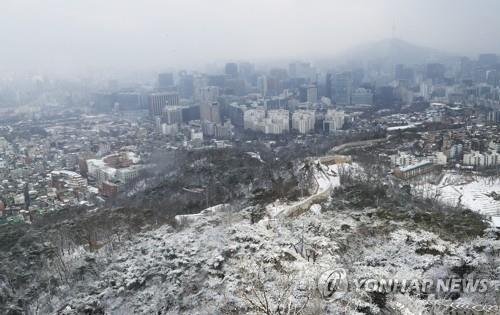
{"type": "Point", "coordinates": [259, 157]}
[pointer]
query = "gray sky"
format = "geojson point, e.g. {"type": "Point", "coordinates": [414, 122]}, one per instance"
{"type": "Point", "coordinates": [71, 35]}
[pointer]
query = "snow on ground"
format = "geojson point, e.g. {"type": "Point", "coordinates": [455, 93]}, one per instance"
{"type": "Point", "coordinates": [403, 127]}
{"type": "Point", "coordinates": [316, 209]}
{"type": "Point", "coordinates": [465, 190]}
{"type": "Point", "coordinates": [255, 155]}
{"type": "Point", "coordinates": [326, 177]}
{"type": "Point", "coordinates": [189, 218]}
{"type": "Point", "coordinates": [204, 268]}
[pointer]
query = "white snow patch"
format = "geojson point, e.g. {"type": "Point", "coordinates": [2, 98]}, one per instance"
{"type": "Point", "coordinates": [255, 155]}
{"type": "Point", "coordinates": [316, 209]}
{"type": "Point", "coordinates": [465, 190]}
{"type": "Point", "coordinates": [327, 179]}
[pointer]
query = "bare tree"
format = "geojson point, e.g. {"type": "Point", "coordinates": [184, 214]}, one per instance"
{"type": "Point", "coordinates": [272, 297]}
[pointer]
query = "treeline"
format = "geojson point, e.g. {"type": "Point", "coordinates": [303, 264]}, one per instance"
{"type": "Point", "coordinates": [396, 201]}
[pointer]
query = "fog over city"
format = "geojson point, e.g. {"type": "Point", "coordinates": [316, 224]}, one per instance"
{"type": "Point", "coordinates": [66, 36]}
{"type": "Point", "coordinates": [249, 157]}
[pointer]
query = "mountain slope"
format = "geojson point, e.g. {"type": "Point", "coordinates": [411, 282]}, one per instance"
{"type": "Point", "coordinates": [393, 51]}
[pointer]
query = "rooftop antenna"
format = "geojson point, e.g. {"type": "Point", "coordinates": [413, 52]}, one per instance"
{"type": "Point", "coordinates": [393, 29]}
{"type": "Point", "coordinates": [393, 38]}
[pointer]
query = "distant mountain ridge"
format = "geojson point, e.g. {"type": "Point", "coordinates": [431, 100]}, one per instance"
{"type": "Point", "coordinates": [393, 51]}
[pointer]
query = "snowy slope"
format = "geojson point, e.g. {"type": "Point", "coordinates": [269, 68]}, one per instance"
{"type": "Point", "coordinates": [468, 191]}
{"type": "Point", "coordinates": [210, 265]}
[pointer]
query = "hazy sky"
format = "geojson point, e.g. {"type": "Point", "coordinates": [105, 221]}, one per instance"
{"type": "Point", "coordinates": [71, 35]}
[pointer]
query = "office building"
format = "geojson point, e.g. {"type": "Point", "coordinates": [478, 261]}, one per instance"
{"type": "Point", "coordinates": [172, 115]}
{"type": "Point", "coordinates": [303, 121]}
{"type": "Point", "coordinates": [210, 111]}
{"type": "Point", "coordinates": [169, 129]}
{"type": "Point", "coordinates": [414, 170]}
{"type": "Point", "coordinates": [130, 101]}
{"type": "Point", "coordinates": [262, 85]}
{"type": "Point", "coordinates": [252, 118]}
{"type": "Point", "coordinates": [342, 88]}
{"type": "Point", "coordinates": [236, 114]}
{"type": "Point", "coordinates": [435, 72]}
{"type": "Point", "coordinates": [158, 101]}
{"type": "Point", "coordinates": [312, 94]}
{"type": "Point", "coordinates": [231, 69]}
{"type": "Point", "coordinates": [487, 60]}
{"type": "Point", "coordinates": [165, 80]}
{"type": "Point", "coordinates": [277, 121]}
{"type": "Point", "coordinates": [478, 159]}
{"type": "Point", "coordinates": [209, 94]}
{"type": "Point", "coordinates": [186, 85]}
{"type": "Point", "coordinates": [276, 103]}
{"type": "Point", "coordinates": [334, 120]}
{"type": "Point", "coordinates": [302, 70]}
{"type": "Point", "coordinates": [362, 96]}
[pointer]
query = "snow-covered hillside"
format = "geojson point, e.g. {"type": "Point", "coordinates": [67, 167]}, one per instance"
{"type": "Point", "coordinates": [220, 263]}
{"type": "Point", "coordinates": [472, 192]}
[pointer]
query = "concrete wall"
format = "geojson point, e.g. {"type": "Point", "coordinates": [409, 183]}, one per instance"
{"type": "Point", "coordinates": [304, 205]}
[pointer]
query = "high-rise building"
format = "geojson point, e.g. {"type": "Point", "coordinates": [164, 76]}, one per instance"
{"type": "Point", "coordinates": [262, 85]}
{"type": "Point", "coordinates": [328, 86]}
{"type": "Point", "coordinates": [252, 118]}
{"type": "Point", "coordinates": [342, 87]}
{"type": "Point", "coordinates": [190, 113]}
{"type": "Point", "coordinates": [456, 151]}
{"type": "Point", "coordinates": [279, 74]}
{"type": "Point", "coordinates": [131, 101]}
{"type": "Point", "coordinates": [404, 73]}
{"type": "Point", "coordinates": [165, 80]}
{"type": "Point", "coordinates": [172, 114]}
{"type": "Point", "coordinates": [209, 108]}
{"type": "Point", "coordinates": [272, 122]}
{"type": "Point", "coordinates": [493, 116]}
{"type": "Point", "coordinates": [385, 96]}
{"type": "Point", "coordinates": [303, 121]}
{"type": "Point", "coordinates": [224, 131]}
{"type": "Point", "coordinates": [216, 80]}
{"type": "Point", "coordinates": [274, 86]}
{"type": "Point", "coordinates": [234, 86]}
{"type": "Point", "coordinates": [247, 71]}
{"type": "Point", "coordinates": [210, 111]}
{"type": "Point", "coordinates": [357, 76]}
{"type": "Point", "coordinates": [485, 159]}
{"type": "Point", "coordinates": [308, 93]}
{"type": "Point", "coordinates": [158, 101]}
{"type": "Point", "coordinates": [479, 75]}
{"type": "Point", "coordinates": [186, 85]}
{"type": "Point", "coordinates": [362, 96]}
{"type": "Point", "coordinates": [466, 68]}
{"type": "Point", "coordinates": [302, 70]}
{"type": "Point", "coordinates": [103, 102]}
{"type": "Point", "coordinates": [236, 114]}
{"type": "Point", "coordinates": [199, 82]}
{"type": "Point", "coordinates": [169, 129]}
{"type": "Point", "coordinates": [487, 60]}
{"type": "Point", "coordinates": [277, 121]}
{"type": "Point", "coordinates": [157, 121]}
{"type": "Point", "coordinates": [312, 94]}
{"type": "Point", "coordinates": [209, 94]}
{"type": "Point", "coordinates": [276, 102]}
{"type": "Point", "coordinates": [492, 77]}
{"type": "Point", "coordinates": [435, 72]}
{"type": "Point", "coordinates": [231, 69]}
{"type": "Point", "coordinates": [334, 120]}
